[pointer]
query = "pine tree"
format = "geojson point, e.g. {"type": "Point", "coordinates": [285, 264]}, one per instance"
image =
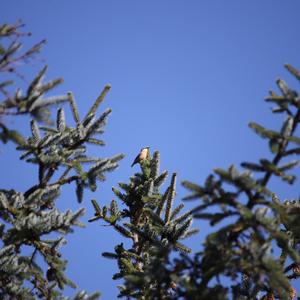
{"type": "Point", "coordinates": [154, 228]}
{"type": "Point", "coordinates": [60, 155]}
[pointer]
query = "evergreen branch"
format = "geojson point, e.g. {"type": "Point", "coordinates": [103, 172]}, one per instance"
{"type": "Point", "coordinates": [170, 198]}
{"type": "Point", "coordinates": [183, 229]}
{"type": "Point", "coordinates": [96, 207]}
{"type": "Point", "coordinates": [98, 101]}
{"type": "Point", "coordinates": [189, 233]}
{"type": "Point", "coordinates": [162, 201]}
{"type": "Point", "coordinates": [74, 108]}
{"type": "Point", "coordinates": [65, 173]}
{"type": "Point", "coordinates": [293, 71]}
{"type": "Point", "coordinates": [122, 230]}
{"type": "Point", "coordinates": [154, 217]}
{"type": "Point", "coordinates": [182, 248]}
{"type": "Point", "coordinates": [35, 131]}
{"type": "Point", "coordinates": [183, 217]}
{"type": "Point", "coordinates": [158, 181]}
{"type": "Point", "coordinates": [276, 159]}
{"type": "Point", "coordinates": [63, 181]}
{"type": "Point", "coordinates": [176, 211]}
{"type": "Point", "coordinates": [40, 103]}
{"type": "Point", "coordinates": [155, 164]}
{"type": "Point", "coordinates": [291, 152]}
{"type": "Point", "coordinates": [36, 82]}
{"type": "Point", "coordinates": [60, 120]}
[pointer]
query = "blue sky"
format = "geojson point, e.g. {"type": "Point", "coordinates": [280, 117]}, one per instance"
{"type": "Point", "coordinates": [186, 76]}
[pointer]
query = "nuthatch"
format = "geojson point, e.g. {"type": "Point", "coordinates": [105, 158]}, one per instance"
{"type": "Point", "coordinates": [144, 153]}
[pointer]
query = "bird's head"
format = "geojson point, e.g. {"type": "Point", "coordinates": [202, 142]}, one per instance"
{"type": "Point", "coordinates": [144, 148]}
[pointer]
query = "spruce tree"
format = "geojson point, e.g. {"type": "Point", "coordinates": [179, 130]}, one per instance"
{"type": "Point", "coordinates": [15, 102]}
{"type": "Point", "coordinates": [31, 225]}
{"type": "Point", "coordinates": [254, 253]}
{"type": "Point", "coordinates": [154, 229]}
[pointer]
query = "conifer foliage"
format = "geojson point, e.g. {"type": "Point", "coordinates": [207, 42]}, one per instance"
{"type": "Point", "coordinates": [257, 244]}
{"type": "Point", "coordinates": [252, 253]}
{"type": "Point", "coordinates": [33, 101]}
{"type": "Point", "coordinates": [60, 155]}
{"type": "Point", "coordinates": [154, 228]}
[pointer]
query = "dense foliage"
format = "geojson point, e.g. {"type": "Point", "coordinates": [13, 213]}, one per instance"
{"type": "Point", "coordinates": [154, 228]}
{"type": "Point", "coordinates": [60, 155]}
{"type": "Point", "coordinates": [251, 253]}
{"type": "Point", "coordinates": [258, 247]}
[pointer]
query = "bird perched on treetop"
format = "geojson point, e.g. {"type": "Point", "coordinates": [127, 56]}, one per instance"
{"type": "Point", "coordinates": [144, 154]}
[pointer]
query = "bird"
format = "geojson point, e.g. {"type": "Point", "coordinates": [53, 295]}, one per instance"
{"type": "Point", "coordinates": [144, 153]}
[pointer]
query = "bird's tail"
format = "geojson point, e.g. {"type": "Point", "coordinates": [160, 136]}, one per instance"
{"type": "Point", "coordinates": [135, 161]}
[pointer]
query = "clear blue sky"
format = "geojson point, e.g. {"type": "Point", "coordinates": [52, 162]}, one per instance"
{"type": "Point", "coordinates": [186, 76]}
